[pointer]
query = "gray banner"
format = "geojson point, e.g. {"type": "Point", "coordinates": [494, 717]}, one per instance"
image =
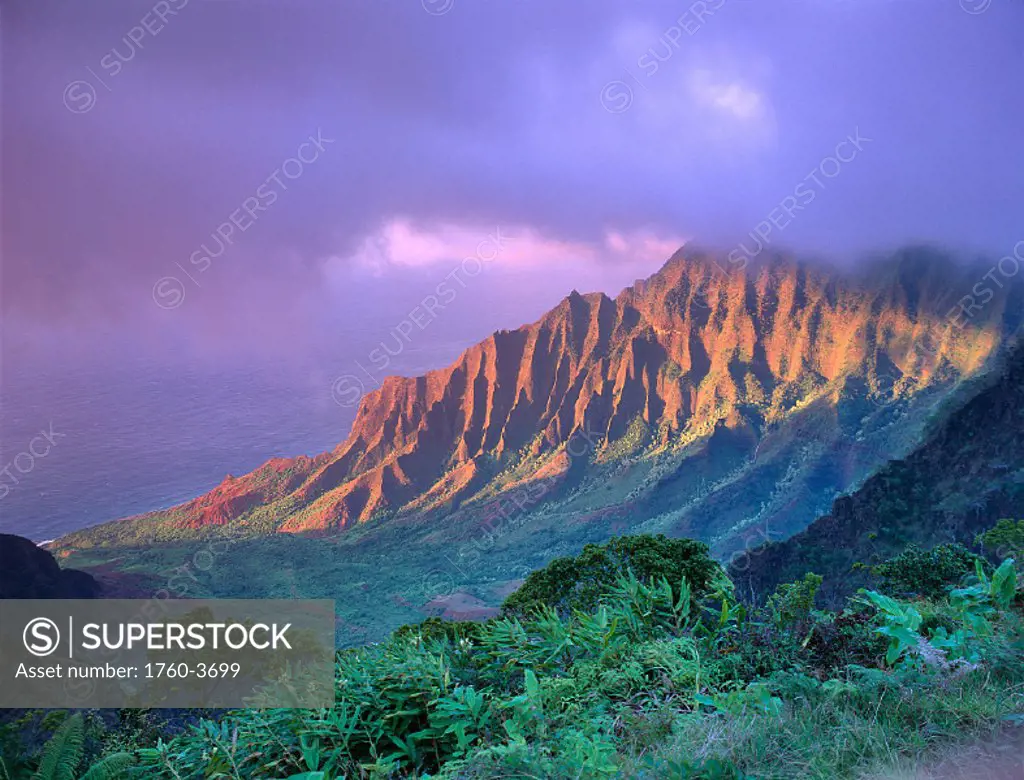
{"type": "Point", "coordinates": [166, 653]}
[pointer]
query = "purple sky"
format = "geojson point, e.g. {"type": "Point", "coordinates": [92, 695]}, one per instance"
{"type": "Point", "coordinates": [596, 136]}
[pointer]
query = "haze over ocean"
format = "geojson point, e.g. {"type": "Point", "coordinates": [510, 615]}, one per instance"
{"type": "Point", "coordinates": [136, 437]}
{"type": "Point", "coordinates": [136, 429]}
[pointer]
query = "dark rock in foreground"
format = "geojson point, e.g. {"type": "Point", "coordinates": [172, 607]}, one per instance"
{"type": "Point", "coordinates": [27, 571]}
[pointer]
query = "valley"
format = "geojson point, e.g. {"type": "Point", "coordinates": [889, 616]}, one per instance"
{"type": "Point", "coordinates": [730, 408]}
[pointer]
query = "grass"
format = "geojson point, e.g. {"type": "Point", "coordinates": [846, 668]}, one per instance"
{"type": "Point", "coordinates": [658, 681]}
{"type": "Point", "coordinates": [846, 736]}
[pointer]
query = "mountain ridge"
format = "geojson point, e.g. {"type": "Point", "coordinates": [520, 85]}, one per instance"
{"type": "Point", "coordinates": [699, 350]}
{"type": "Point", "coordinates": [959, 482]}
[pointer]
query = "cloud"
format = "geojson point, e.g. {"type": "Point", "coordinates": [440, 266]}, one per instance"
{"type": "Point", "coordinates": [403, 244]}
{"type": "Point", "coordinates": [733, 97]}
{"type": "Point", "coordinates": [491, 114]}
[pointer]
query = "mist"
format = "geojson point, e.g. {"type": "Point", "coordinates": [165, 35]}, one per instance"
{"type": "Point", "coordinates": [202, 180]}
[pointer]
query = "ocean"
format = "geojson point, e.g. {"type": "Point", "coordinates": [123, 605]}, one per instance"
{"type": "Point", "coordinates": [84, 442]}
{"type": "Point", "coordinates": [89, 444]}
{"type": "Point", "coordinates": [92, 436]}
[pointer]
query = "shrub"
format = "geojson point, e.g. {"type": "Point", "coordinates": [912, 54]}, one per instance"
{"type": "Point", "coordinates": [792, 602]}
{"type": "Point", "coordinates": [568, 584]}
{"type": "Point", "coordinates": [1004, 540]}
{"type": "Point", "coordinates": [648, 684]}
{"type": "Point", "coordinates": [843, 640]}
{"type": "Point", "coordinates": [976, 608]}
{"type": "Point", "coordinates": [929, 573]}
{"type": "Point", "coordinates": [438, 628]}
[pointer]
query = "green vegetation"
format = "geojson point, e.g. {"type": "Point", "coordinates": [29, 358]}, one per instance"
{"type": "Point", "coordinates": [956, 485]}
{"type": "Point", "coordinates": [62, 758]}
{"type": "Point", "coordinates": [577, 583]}
{"type": "Point", "coordinates": [929, 573]}
{"type": "Point", "coordinates": [793, 602]}
{"type": "Point", "coordinates": [1006, 538]}
{"type": "Point", "coordinates": [658, 678]}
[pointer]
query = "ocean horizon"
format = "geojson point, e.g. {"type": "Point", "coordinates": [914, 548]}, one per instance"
{"type": "Point", "coordinates": [202, 425]}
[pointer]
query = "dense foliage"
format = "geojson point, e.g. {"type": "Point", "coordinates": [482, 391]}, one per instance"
{"type": "Point", "coordinates": [929, 573]}
{"type": "Point", "coordinates": [577, 583]}
{"type": "Point", "coordinates": [658, 679]}
{"type": "Point", "coordinates": [63, 758]}
{"type": "Point", "coordinates": [1005, 539]}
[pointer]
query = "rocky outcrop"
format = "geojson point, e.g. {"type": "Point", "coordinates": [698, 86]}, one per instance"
{"type": "Point", "coordinates": [27, 571]}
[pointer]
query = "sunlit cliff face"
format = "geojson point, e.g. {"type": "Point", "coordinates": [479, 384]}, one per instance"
{"type": "Point", "coordinates": [701, 344]}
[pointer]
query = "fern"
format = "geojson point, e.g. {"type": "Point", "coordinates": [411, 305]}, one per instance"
{"type": "Point", "coordinates": [110, 768]}
{"type": "Point", "coordinates": [63, 752]}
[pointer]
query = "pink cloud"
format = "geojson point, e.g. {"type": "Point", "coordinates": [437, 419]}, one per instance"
{"type": "Point", "coordinates": [401, 243]}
